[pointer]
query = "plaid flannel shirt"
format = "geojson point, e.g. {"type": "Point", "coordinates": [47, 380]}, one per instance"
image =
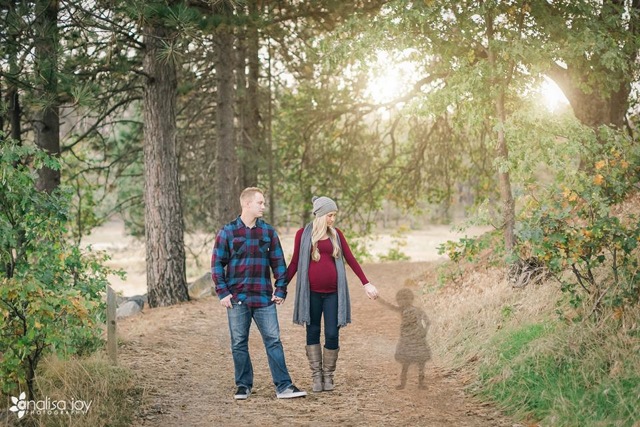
{"type": "Point", "coordinates": [242, 261]}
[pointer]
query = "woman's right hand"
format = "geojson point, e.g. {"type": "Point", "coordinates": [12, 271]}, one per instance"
{"type": "Point", "coordinates": [371, 291]}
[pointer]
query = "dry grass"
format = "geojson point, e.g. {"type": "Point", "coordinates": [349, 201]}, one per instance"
{"type": "Point", "coordinates": [466, 316]}
{"type": "Point", "coordinates": [510, 345]}
{"type": "Point", "coordinates": [110, 390]}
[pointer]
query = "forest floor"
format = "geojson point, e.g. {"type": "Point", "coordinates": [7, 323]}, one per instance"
{"type": "Point", "coordinates": [181, 358]}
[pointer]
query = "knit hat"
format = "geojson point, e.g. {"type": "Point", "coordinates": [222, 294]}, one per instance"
{"type": "Point", "coordinates": [323, 205]}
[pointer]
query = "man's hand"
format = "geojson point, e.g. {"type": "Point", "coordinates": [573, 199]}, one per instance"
{"type": "Point", "coordinates": [277, 300]}
{"type": "Point", "coordinates": [226, 301]}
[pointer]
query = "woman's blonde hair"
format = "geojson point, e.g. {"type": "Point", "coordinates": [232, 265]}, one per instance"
{"type": "Point", "coordinates": [320, 228]}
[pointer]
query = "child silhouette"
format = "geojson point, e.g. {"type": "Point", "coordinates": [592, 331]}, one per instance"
{"type": "Point", "coordinates": [412, 347]}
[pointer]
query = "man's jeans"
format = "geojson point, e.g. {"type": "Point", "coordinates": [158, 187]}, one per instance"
{"type": "Point", "coordinates": [266, 319]}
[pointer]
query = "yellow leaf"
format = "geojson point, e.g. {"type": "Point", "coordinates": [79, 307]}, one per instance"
{"type": "Point", "coordinates": [618, 312]}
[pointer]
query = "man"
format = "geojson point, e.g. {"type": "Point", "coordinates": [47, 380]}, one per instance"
{"type": "Point", "coordinates": [244, 251]}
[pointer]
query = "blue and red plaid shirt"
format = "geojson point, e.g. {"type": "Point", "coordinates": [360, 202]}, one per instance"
{"type": "Point", "coordinates": [242, 261]}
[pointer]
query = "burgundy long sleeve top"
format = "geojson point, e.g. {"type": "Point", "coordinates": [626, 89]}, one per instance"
{"type": "Point", "coordinates": [323, 276]}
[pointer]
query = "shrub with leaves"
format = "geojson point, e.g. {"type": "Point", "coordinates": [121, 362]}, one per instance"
{"type": "Point", "coordinates": [573, 226]}
{"type": "Point", "coordinates": [50, 291]}
{"type": "Point", "coordinates": [469, 250]}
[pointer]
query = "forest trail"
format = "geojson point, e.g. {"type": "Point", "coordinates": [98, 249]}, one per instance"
{"type": "Point", "coordinates": [182, 358]}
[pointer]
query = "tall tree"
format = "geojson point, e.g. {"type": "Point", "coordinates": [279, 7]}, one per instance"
{"type": "Point", "coordinates": [251, 142]}
{"type": "Point", "coordinates": [46, 120]}
{"type": "Point", "coordinates": [9, 70]}
{"type": "Point", "coordinates": [227, 170]}
{"type": "Point", "coordinates": [164, 230]}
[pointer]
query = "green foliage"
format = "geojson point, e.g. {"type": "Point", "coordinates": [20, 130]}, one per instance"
{"type": "Point", "coordinates": [572, 225]}
{"type": "Point", "coordinates": [324, 148]}
{"type": "Point", "coordinates": [398, 241]}
{"type": "Point", "coordinates": [127, 144]}
{"type": "Point", "coordinates": [50, 291]}
{"type": "Point", "coordinates": [358, 245]}
{"type": "Point", "coordinates": [469, 250]}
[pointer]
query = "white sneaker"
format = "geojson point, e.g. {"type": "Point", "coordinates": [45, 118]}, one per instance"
{"type": "Point", "coordinates": [291, 392]}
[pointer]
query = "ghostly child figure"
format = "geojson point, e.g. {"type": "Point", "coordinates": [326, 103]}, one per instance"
{"type": "Point", "coordinates": [412, 347]}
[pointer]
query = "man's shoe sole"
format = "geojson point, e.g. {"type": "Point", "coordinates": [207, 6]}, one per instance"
{"type": "Point", "coordinates": [242, 396]}
{"type": "Point", "coordinates": [292, 395]}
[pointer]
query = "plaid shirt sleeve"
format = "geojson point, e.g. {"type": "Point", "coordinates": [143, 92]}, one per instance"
{"type": "Point", "coordinates": [278, 266]}
{"type": "Point", "coordinates": [219, 260]}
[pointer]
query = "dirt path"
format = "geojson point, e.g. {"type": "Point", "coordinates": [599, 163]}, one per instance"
{"type": "Point", "coordinates": [183, 360]}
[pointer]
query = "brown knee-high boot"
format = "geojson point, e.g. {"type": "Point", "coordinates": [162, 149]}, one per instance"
{"type": "Point", "coordinates": [328, 367]}
{"type": "Point", "coordinates": [314, 354]}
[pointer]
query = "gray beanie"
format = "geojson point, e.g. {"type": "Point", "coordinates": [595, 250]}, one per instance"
{"type": "Point", "coordinates": [323, 205]}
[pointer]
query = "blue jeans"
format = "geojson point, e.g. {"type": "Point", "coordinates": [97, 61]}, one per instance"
{"type": "Point", "coordinates": [326, 304]}
{"type": "Point", "coordinates": [266, 318]}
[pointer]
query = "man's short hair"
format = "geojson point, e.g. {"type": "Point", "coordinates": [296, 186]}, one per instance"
{"type": "Point", "coordinates": [248, 193]}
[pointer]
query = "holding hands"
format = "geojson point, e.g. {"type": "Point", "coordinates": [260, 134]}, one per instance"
{"type": "Point", "coordinates": [371, 291]}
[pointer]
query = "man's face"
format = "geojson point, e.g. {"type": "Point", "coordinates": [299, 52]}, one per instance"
{"type": "Point", "coordinates": [255, 206]}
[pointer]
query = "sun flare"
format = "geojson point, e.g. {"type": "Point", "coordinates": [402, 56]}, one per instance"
{"type": "Point", "coordinates": [388, 79]}
{"type": "Point", "coordinates": [552, 96]}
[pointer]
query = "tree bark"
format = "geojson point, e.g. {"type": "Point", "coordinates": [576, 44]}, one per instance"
{"type": "Point", "coordinates": [13, 97]}
{"type": "Point", "coordinates": [253, 140]}
{"type": "Point", "coordinates": [46, 119]}
{"type": "Point", "coordinates": [504, 178]}
{"type": "Point", "coordinates": [593, 108]}
{"type": "Point", "coordinates": [2, 137]}
{"type": "Point", "coordinates": [502, 150]}
{"type": "Point", "coordinates": [227, 176]}
{"type": "Point", "coordinates": [164, 228]}
{"type": "Point", "coordinates": [15, 112]}
{"type": "Point", "coordinates": [244, 141]}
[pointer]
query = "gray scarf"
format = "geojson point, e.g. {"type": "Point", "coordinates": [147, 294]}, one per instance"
{"type": "Point", "coordinates": [301, 314]}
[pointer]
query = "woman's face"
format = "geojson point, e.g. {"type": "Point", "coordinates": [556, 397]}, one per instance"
{"type": "Point", "coordinates": [331, 218]}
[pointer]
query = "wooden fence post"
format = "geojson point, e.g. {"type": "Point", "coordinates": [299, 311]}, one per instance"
{"type": "Point", "coordinates": [112, 343]}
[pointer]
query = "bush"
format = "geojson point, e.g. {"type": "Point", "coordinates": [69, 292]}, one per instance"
{"type": "Point", "coordinates": [571, 227]}
{"type": "Point", "coordinates": [398, 241]}
{"type": "Point", "coordinates": [50, 291]}
{"type": "Point", "coordinates": [487, 249]}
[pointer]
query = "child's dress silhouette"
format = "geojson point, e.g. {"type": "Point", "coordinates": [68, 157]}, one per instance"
{"type": "Point", "coordinates": [412, 346]}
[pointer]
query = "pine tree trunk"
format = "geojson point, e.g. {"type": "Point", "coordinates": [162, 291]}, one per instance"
{"type": "Point", "coordinates": [2, 137]}
{"type": "Point", "coordinates": [227, 170]}
{"type": "Point", "coordinates": [252, 122]}
{"type": "Point", "coordinates": [14, 112]}
{"type": "Point", "coordinates": [164, 229]}
{"type": "Point", "coordinates": [46, 119]}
